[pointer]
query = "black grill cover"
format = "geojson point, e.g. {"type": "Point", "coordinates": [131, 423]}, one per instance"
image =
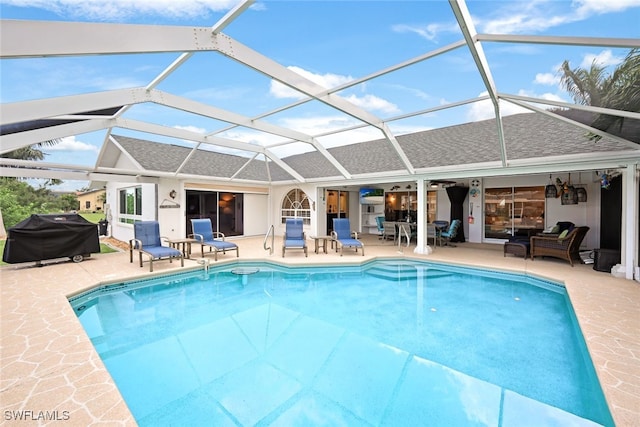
{"type": "Point", "coordinates": [41, 237]}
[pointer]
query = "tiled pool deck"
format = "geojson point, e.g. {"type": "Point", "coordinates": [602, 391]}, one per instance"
{"type": "Point", "coordinates": [50, 369]}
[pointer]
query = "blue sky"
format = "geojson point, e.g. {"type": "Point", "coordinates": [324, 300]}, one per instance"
{"type": "Point", "coordinates": [331, 43]}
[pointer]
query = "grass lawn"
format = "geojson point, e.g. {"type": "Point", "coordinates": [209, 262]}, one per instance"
{"type": "Point", "coordinates": [92, 217]}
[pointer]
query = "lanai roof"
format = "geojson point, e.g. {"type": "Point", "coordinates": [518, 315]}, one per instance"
{"type": "Point", "coordinates": [550, 137]}
{"type": "Point", "coordinates": [528, 138]}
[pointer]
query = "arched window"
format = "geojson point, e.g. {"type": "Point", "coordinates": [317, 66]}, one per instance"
{"type": "Point", "coordinates": [296, 204]}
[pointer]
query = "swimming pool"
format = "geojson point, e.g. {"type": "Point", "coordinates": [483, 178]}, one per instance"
{"type": "Point", "coordinates": [389, 343]}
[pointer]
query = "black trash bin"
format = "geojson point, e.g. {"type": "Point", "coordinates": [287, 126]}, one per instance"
{"type": "Point", "coordinates": [102, 226]}
{"type": "Point", "coordinates": [42, 237]}
{"type": "Point", "coordinates": [605, 259]}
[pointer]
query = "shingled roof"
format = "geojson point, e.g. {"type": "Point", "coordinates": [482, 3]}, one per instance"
{"type": "Point", "coordinates": [527, 136]}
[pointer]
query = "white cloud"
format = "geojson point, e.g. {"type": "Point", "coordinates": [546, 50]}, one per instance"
{"type": "Point", "coordinates": [539, 15]}
{"type": "Point", "coordinates": [589, 7]}
{"type": "Point", "coordinates": [428, 31]}
{"type": "Point", "coordinates": [367, 102]}
{"type": "Point", "coordinates": [191, 128]}
{"type": "Point", "coordinates": [121, 9]}
{"type": "Point", "coordinates": [373, 103]}
{"type": "Point", "coordinates": [327, 81]}
{"type": "Point", "coordinates": [317, 125]}
{"type": "Point", "coordinates": [548, 79]}
{"type": "Point", "coordinates": [552, 97]}
{"type": "Point", "coordinates": [604, 58]}
{"type": "Point", "coordinates": [483, 110]}
{"type": "Point", "coordinates": [251, 137]}
{"type": "Point", "coordinates": [522, 23]}
{"type": "Point", "coordinates": [70, 143]}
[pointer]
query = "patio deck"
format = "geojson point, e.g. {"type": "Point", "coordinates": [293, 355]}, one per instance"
{"type": "Point", "coordinates": [49, 366]}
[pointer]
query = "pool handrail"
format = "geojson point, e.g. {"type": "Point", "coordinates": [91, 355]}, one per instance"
{"type": "Point", "coordinates": [270, 232]}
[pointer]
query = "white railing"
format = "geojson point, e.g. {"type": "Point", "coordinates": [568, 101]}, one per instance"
{"type": "Point", "coordinates": [271, 233]}
{"type": "Point", "coordinates": [406, 230]}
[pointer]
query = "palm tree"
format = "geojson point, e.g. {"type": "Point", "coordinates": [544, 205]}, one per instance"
{"type": "Point", "coordinates": [619, 90]}
{"type": "Point", "coordinates": [33, 152]}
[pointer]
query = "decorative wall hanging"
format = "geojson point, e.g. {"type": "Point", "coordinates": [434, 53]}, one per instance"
{"type": "Point", "coordinates": [169, 204]}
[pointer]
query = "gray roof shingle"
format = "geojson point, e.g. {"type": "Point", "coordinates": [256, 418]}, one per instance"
{"type": "Point", "coordinates": [531, 135]}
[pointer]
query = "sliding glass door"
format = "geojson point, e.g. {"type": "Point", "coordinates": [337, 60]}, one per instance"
{"type": "Point", "coordinates": [224, 209]}
{"type": "Point", "coordinates": [513, 211]}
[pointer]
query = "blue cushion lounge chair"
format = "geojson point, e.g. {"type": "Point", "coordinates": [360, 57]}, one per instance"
{"type": "Point", "coordinates": [344, 237]}
{"type": "Point", "coordinates": [294, 237]}
{"type": "Point", "coordinates": [451, 233]}
{"type": "Point", "coordinates": [147, 240]}
{"type": "Point", "coordinates": [204, 234]}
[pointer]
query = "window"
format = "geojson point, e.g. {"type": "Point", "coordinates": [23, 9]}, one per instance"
{"type": "Point", "coordinates": [130, 205]}
{"type": "Point", "coordinates": [432, 206]}
{"type": "Point", "coordinates": [296, 204]}
{"type": "Point", "coordinates": [87, 204]}
{"type": "Point", "coordinates": [513, 211]}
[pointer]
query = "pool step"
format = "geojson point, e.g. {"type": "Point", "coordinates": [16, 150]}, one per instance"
{"type": "Point", "coordinates": [403, 272]}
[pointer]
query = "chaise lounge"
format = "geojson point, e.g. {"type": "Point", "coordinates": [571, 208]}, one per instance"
{"type": "Point", "coordinates": [344, 237]}
{"type": "Point", "coordinates": [204, 234]}
{"type": "Point", "coordinates": [294, 237]}
{"type": "Point", "coordinates": [147, 240]}
{"type": "Point", "coordinates": [564, 247]}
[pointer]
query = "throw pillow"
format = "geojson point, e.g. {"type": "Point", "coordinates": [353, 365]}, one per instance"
{"type": "Point", "coordinates": [555, 229]}
{"type": "Point", "coordinates": [563, 234]}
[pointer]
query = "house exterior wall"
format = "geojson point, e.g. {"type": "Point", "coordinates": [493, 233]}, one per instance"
{"type": "Point", "coordinates": [262, 207]}
{"type": "Point", "coordinates": [170, 212]}
{"type": "Point", "coordinates": [89, 201]}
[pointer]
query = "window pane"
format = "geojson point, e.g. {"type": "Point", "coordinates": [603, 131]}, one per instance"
{"type": "Point", "coordinates": [432, 208]}
{"type": "Point", "coordinates": [498, 206]}
{"type": "Point", "coordinates": [296, 204]}
{"type": "Point", "coordinates": [138, 196]}
{"type": "Point", "coordinates": [528, 213]}
{"type": "Point", "coordinates": [130, 202]}
{"type": "Point", "coordinates": [123, 201]}
{"type": "Point", "coordinates": [515, 211]}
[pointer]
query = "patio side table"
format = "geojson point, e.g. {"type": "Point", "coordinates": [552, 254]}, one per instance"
{"type": "Point", "coordinates": [186, 245]}
{"type": "Point", "coordinates": [318, 239]}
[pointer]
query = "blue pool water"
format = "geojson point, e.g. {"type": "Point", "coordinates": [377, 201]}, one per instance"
{"type": "Point", "coordinates": [390, 343]}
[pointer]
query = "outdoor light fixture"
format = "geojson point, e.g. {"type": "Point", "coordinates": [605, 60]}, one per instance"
{"type": "Point", "coordinates": [569, 195]}
{"type": "Point", "coordinates": [173, 194]}
{"type": "Point", "coordinates": [581, 192]}
{"type": "Point", "coordinates": [550, 191]}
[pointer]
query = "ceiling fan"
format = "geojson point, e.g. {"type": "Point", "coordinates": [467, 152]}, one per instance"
{"type": "Point", "coordinates": [443, 182]}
